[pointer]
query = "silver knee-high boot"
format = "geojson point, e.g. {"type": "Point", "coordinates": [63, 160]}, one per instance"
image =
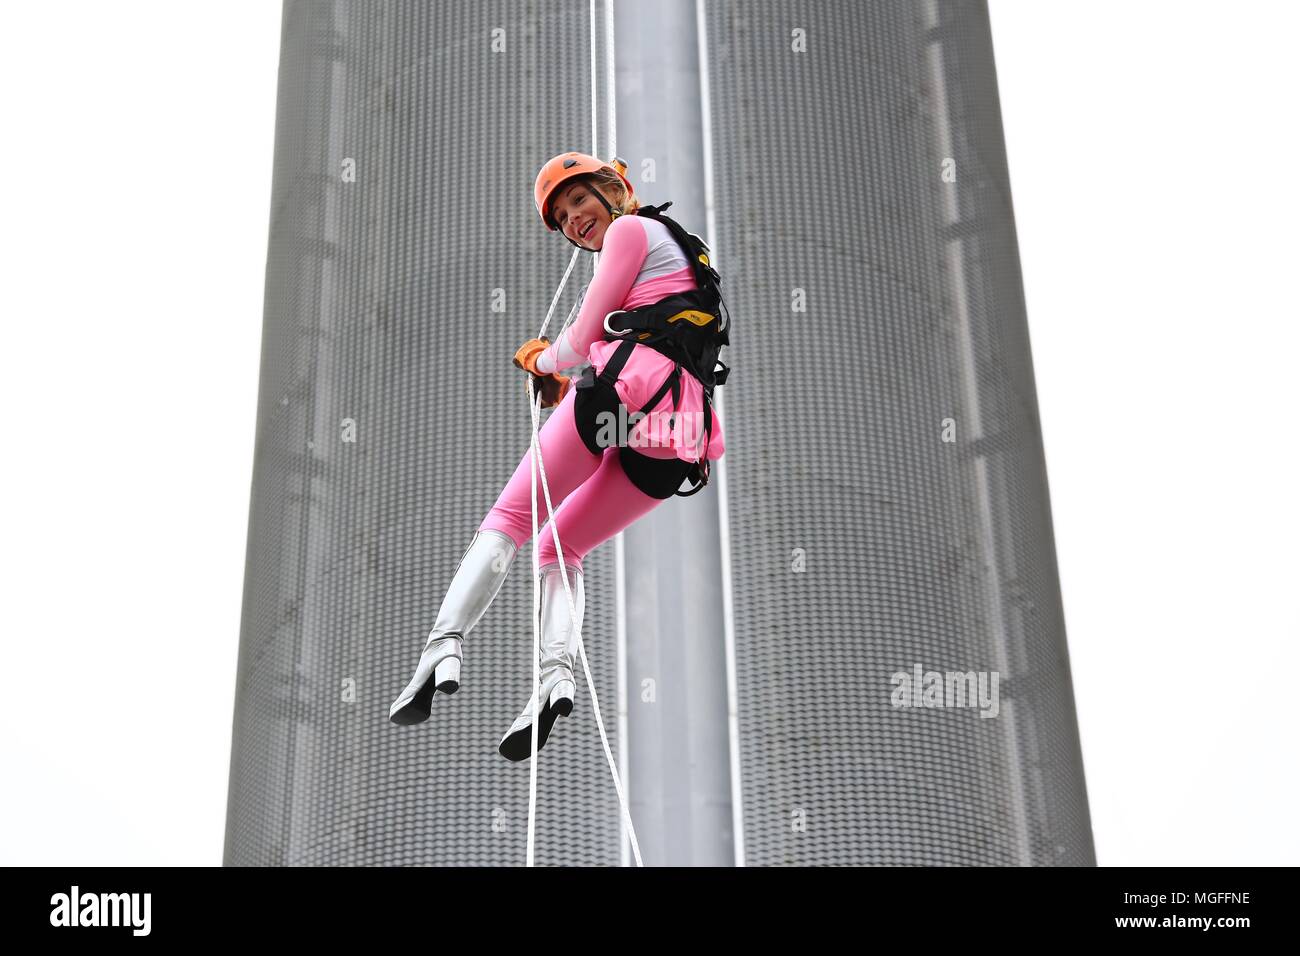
{"type": "Point", "coordinates": [559, 640]}
{"type": "Point", "coordinates": [479, 576]}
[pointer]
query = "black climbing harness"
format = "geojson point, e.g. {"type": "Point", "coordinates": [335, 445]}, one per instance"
{"type": "Point", "coordinates": [687, 327]}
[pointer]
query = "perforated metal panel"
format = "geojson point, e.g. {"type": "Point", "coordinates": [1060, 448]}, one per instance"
{"type": "Point", "coordinates": [379, 312]}
{"type": "Point", "coordinates": [874, 302]}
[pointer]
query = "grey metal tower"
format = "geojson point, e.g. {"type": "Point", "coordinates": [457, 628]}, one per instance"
{"type": "Point", "coordinates": [882, 504]}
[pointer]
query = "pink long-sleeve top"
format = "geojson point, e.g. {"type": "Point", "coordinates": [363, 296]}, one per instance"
{"type": "Point", "coordinates": [640, 263]}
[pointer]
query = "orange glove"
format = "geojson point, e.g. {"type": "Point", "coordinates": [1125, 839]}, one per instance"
{"type": "Point", "coordinates": [553, 387]}
{"type": "Point", "coordinates": [526, 355]}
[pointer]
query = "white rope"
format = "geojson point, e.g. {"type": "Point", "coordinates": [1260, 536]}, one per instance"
{"type": "Point", "coordinates": [536, 469]}
{"type": "Point", "coordinates": [534, 404]}
{"type": "Point", "coordinates": [535, 461]}
{"type": "Point", "coordinates": [537, 640]}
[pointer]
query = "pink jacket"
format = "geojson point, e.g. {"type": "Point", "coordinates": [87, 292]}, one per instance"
{"type": "Point", "coordinates": [640, 263]}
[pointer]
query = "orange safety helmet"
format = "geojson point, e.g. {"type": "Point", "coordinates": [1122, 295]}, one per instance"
{"type": "Point", "coordinates": [560, 169]}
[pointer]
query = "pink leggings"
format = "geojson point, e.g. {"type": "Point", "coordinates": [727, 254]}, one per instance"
{"type": "Point", "coordinates": [604, 500]}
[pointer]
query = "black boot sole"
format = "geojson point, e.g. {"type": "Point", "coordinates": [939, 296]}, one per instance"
{"type": "Point", "coordinates": [519, 745]}
{"type": "Point", "coordinates": [421, 705]}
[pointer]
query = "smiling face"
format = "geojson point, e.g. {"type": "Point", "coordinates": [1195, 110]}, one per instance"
{"type": "Point", "coordinates": [580, 215]}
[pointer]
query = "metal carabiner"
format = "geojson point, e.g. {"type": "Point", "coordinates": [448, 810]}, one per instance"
{"type": "Point", "coordinates": [608, 330]}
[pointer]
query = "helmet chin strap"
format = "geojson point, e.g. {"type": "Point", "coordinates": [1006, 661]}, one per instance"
{"type": "Point", "coordinates": [608, 208]}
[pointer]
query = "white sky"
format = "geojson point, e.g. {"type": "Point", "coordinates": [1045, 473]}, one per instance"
{"type": "Point", "coordinates": [1151, 148]}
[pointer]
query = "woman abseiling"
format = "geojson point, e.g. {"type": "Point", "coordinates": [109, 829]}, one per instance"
{"type": "Point", "coordinates": [650, 325]}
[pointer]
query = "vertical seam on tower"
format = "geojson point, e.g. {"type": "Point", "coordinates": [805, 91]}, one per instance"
{"type": "Point", "coordinates": [724, 524]}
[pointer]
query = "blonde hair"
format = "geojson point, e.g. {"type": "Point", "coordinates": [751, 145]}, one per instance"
{"type": "Point", "coordinates": [607, 181]}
